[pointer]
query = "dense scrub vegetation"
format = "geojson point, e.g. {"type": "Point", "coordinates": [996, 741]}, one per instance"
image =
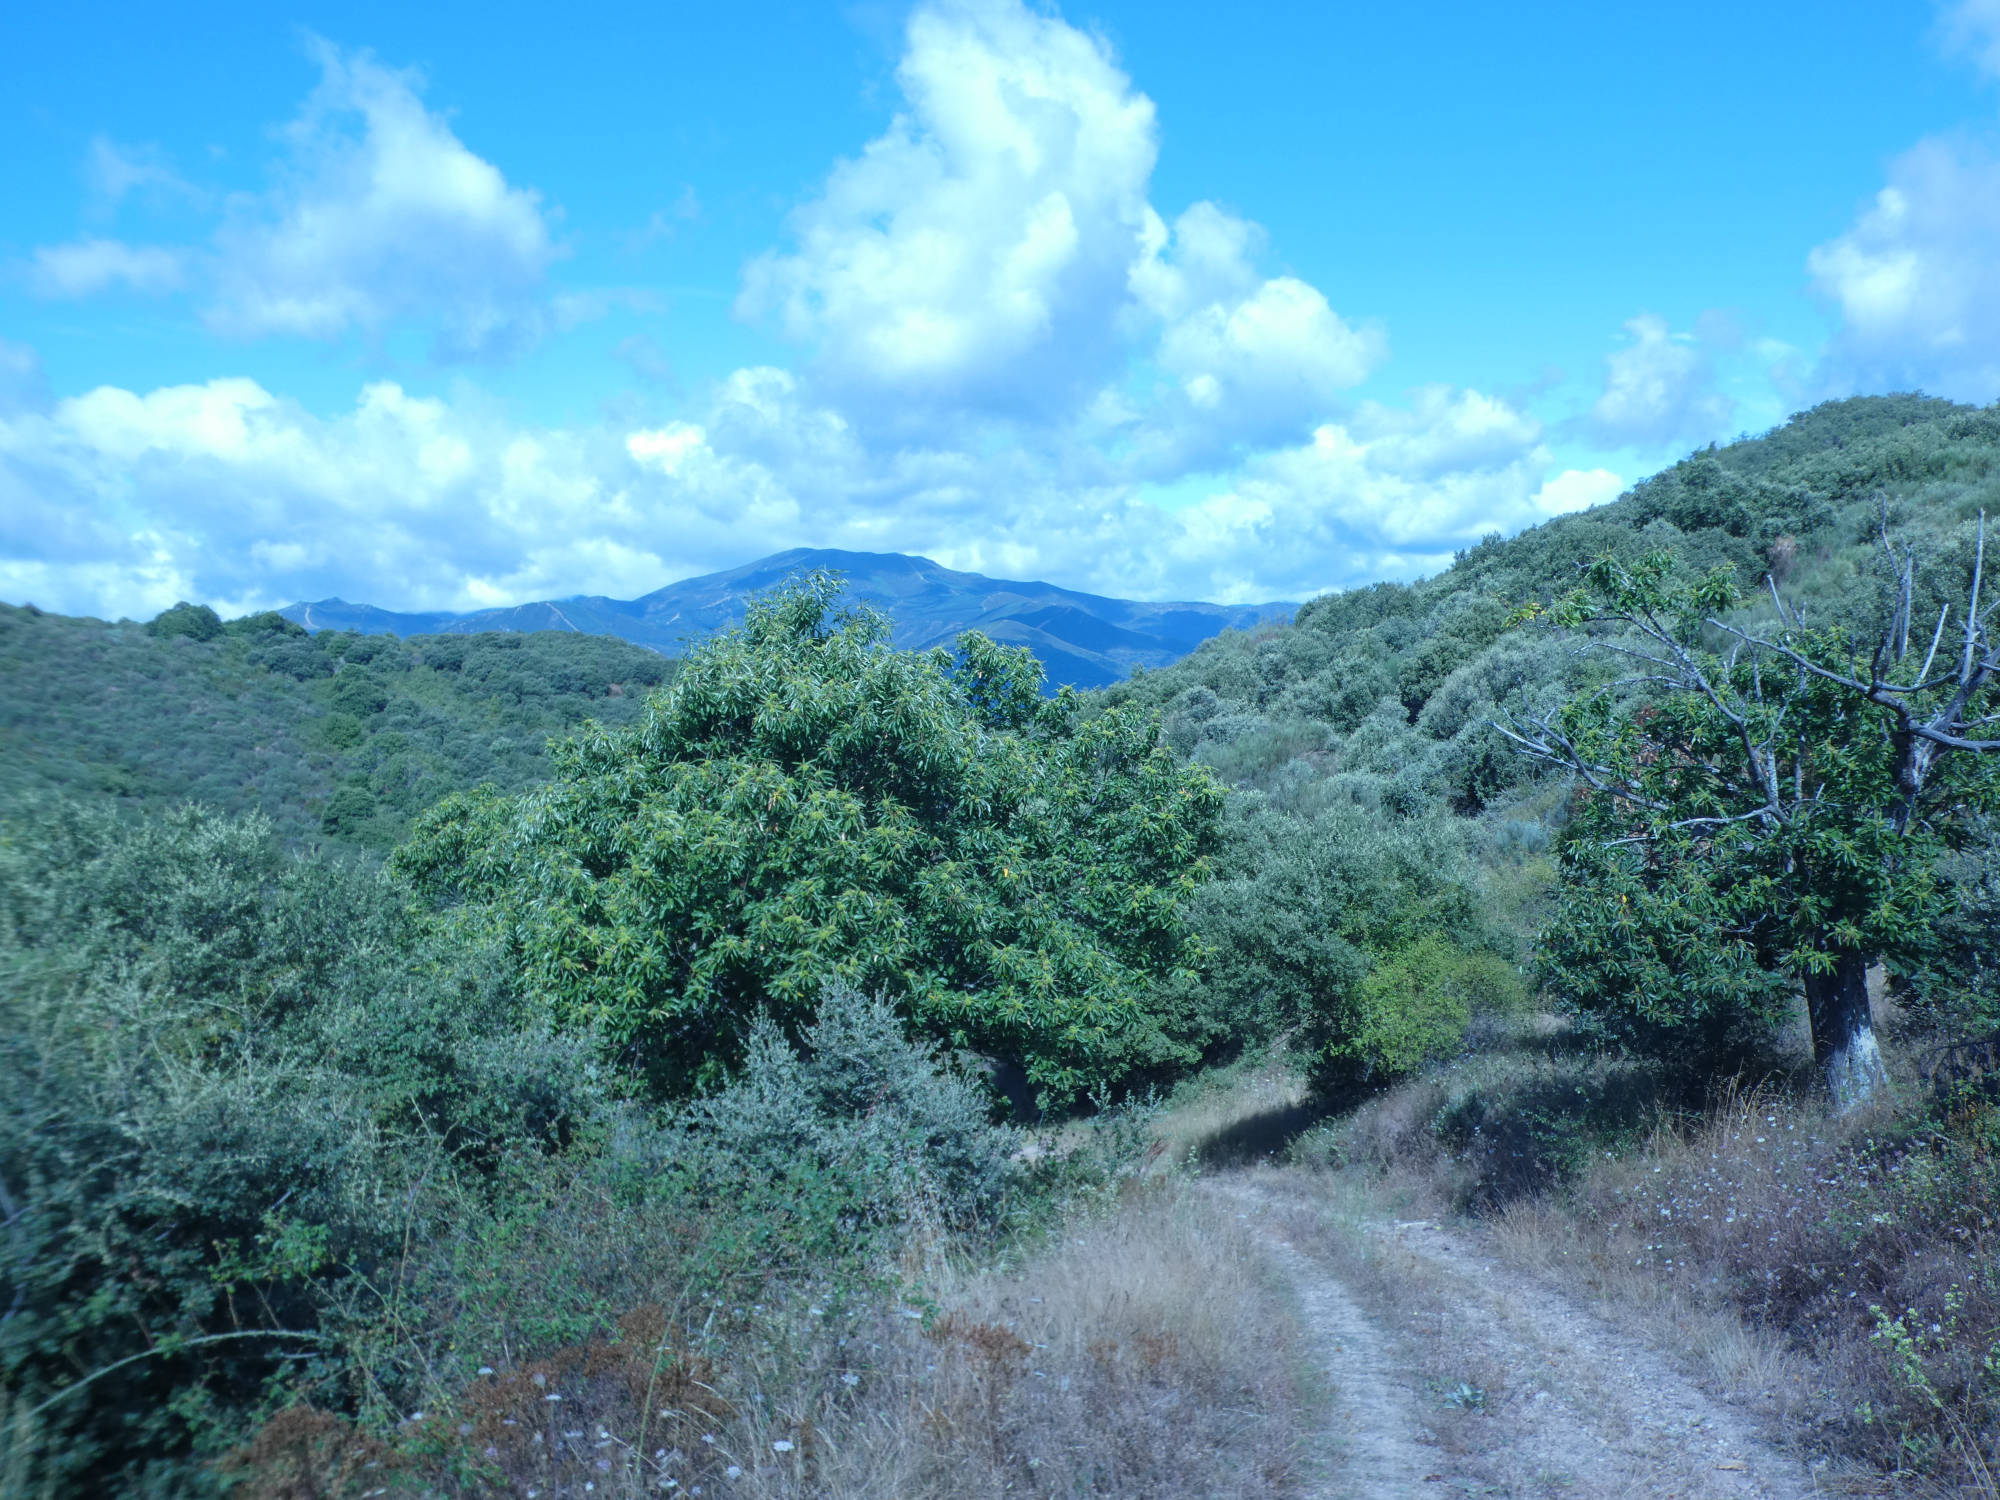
{"type": "Point", "coordinates": [806, 806]}
{"type": "Point", "coordinates": [1386, 708]}
{"type": "Point", "coordinates": [336, 738]}
{"type": "Point", "coordinates": [681, 1050]}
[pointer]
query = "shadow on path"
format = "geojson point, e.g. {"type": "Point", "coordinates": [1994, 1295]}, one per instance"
{"type": "Point", "coordinates": [1259, 1137]}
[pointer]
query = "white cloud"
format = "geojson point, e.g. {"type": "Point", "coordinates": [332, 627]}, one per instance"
{"type": "Point", "coordinates": [1578, 489]}
{"type": "Point", "coordinates": [383, 216]}
{"type": "Point", "coordinates": [666, 448]}
{"type": "Point", "coordinates": [977, 251]}
{"type": "Point", "coordinates": [1917, 278]}
{"type": "Point", "coordinates": [84, 268]}
{"type": "Point", "coordinates": [114, 173]}
{"type": "Point", "coordinates": [1390, 495]}
{"type": "Point", "coordinates": [993, 257]}
{"type": "Point", "coordinates": [118, 501]}
{"type": "Point", "coordinates": [1253, 360]}
{"type": "Point", "coordinates": [1971, 28]}
{"type": "Point", "coordinates": [1659, 390]}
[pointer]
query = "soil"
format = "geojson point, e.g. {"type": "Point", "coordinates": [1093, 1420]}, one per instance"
{"type": "Point", "coordinates": [1453, 1374]}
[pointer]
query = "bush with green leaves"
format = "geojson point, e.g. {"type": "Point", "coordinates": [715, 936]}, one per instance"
{"type": "Point", "coordinates": [1356, 933]}
{"type": "Point", "coordinates": [1414, 1007]}
{"type": "Point", "coordinates": [805, 805]}
{"type": "Point", "coordinates": [195, 621]}
{"type": "Point", "coordinates": [858, 1104]}
{"type": "Point", "coordinates": [231, 1082]}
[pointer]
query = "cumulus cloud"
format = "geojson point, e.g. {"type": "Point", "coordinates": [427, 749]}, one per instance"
{"type": "Point", "coordinates": [1251, 360]}
{"type": "Point", "coordinates": [378, 217]}
{"type": "Point", "coordinates": [1659, 390]}
{"type": "Point", "coordinates": [1578, 489]}
{"type": "Point", "coordinates": [1916, 278]}
{"type": "Point", "coordinates": [83, 268]}
{"type": "Point", "coordinates": [225, 491]}
{"type": "Point", "coordinates": [994, 253]}
{"type": "Point", "coordinates": [382, 215]}
{"type": "Point", "coordinates": [119, 501]}
{"type": "Point", "coordinates": [977, 251]}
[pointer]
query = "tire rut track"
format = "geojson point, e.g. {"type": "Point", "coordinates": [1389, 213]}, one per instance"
{"type": "Point", "coordinates": [1577, 1407]}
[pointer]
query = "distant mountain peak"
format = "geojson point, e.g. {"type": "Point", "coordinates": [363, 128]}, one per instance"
{"type": "Point", "coordinates": [1084, 640]}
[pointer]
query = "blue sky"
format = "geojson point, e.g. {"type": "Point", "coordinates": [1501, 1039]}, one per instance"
{"type": "Point", "coordinates": [448, 306]}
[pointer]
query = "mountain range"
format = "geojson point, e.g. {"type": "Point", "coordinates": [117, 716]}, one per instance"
{"type": "Point", "coordinates": [1084, 640]}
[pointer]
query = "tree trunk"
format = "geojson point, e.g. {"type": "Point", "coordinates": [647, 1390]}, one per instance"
{"type": "Point", "coordinates": [1843, 1032]}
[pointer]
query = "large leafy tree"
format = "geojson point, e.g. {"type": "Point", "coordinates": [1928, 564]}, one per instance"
{"type": "Point", "coordinates": [806, 805]}
{"type": "Point", "coordinates": [1759, 810]}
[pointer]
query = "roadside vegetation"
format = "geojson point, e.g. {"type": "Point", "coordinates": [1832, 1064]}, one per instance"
{"type": "Point", "coordinates": [758, 1088]}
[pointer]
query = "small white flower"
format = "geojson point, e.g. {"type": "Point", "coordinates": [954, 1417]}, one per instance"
{"type": "Point", "coordinates": [552, 1396]}
{"type": "Point", "coordinates": [781, 1446]}
{"type": "Point", "coordinates": [486, 1369]}
{"type": "Point", "coordinates": [850, 1378]}
{"type": "Point", "coordinates": [734, 1471]}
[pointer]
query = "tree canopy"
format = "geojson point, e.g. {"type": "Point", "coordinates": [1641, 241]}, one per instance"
{"type": "Point", "coordinates": [1756, 812]}
{"type": "Point", "coordinates": [804, 805]}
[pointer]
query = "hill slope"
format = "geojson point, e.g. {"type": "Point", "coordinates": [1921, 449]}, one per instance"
{"type": "Point", "coordinates": [1389, 689]}
{"type": "Point", "coordinates": [1085, 640]}
{"type": "Point", "coordinates": [335, 737]}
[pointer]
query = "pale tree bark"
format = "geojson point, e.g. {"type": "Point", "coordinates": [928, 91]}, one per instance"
{"type": "Point", "coordinates": [1843, 1033]}
{"type": "Point", "coordinates": [1930, 715]}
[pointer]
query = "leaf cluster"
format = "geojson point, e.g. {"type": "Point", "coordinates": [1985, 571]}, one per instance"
{"type": "Point", "coordinates": [805, 805]}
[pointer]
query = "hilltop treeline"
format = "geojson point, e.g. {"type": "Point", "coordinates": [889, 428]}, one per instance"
{"type": "Point", "coordinates": [337, 738]}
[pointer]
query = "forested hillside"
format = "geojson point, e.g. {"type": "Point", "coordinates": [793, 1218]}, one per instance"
{"type": "Point", "coordinates": [1391, 689]}
{"type": "Point", "coordinates": [627, 1128]}
{"type": "Point", "coordinates": [335, 737]}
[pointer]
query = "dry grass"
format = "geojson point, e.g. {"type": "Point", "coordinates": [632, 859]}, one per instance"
{"type": "Point", "coordinates": [1142, 1354]}
{"type": "Point", "coordinates": [1236, 1116]}
{"type": "Point", "coordinates": [1840, 1275]}
{"type": "Point", "coordinates": [1843, 1268]}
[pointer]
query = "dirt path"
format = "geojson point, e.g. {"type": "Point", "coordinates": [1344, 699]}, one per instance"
{"type": "Point", "coordinates": [1453, 1374]}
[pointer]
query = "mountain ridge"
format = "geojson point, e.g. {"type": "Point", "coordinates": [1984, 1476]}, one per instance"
{"type": "Point", "coordinates": [1084, 640]}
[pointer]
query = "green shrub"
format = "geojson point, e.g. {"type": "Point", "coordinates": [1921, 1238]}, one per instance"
{"type": "Point", "coordinates": [1414, 1006]}
{"type": "Point", "coordinates": [195, 621]}
{"type": "Point", "coordinates": [869, 1108]}
{"type": "Point", "coordinates": [804, 804]}
{"type": "Point", "coordinates": [358, 693]}
{"type": "Point", "coordinates": [232, 1085]}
